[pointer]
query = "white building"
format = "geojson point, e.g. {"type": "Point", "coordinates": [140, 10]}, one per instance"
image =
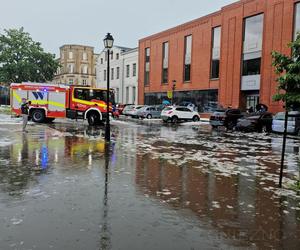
{"type": "Point", "coordinates": [123, 73]}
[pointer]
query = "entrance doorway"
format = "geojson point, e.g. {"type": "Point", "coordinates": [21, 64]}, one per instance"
{"type": "Point", "coordinates": [252, 101]}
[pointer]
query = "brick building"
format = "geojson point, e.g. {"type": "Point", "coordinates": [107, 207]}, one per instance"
{"type": "Point", "coordinates": [223, 58]}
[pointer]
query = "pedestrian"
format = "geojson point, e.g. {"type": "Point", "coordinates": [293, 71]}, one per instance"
{"type": "Point", "coordinates": [25, 113]}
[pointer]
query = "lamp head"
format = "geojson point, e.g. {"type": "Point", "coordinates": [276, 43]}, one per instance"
{"type": "Point", "coordinates": [108, 41]}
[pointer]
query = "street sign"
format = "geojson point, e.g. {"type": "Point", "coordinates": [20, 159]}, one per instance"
{"type": "Point", "coordinates": [170, 94]}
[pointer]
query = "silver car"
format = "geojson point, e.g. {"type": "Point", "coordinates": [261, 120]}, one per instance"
{"type": "Point", "coordinates": [149, 112]}
{"type": "Point", "coordinates": [293, 122]}
{"type": "Point", "coordinates": [133, 112]}
{"type": "Point", "coordinates": [127, 110]}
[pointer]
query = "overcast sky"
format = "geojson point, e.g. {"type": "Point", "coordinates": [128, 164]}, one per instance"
{"type": "Point", "coordinates": [58, 22]}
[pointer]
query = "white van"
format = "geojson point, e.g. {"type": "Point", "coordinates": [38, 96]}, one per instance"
{"type": "Point", "coordinates": [293, 122]}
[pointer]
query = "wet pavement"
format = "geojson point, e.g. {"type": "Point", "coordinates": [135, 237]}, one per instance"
{"type": "Point", "coordinates": [154, 187]}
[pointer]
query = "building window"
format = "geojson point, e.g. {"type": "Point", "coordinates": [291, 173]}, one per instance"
{"type": "Point", "coordinates": [84, 82]}
{"type": "Point", "coordinates": [297, 20]}
{"type": "Point", "coordinates": [165, 62]}
{"type": "Point", "coordinates": [70, 55]}
{"type": "Point", "coordinates": [127, 71]}
{"type": "Point", "coordinates": [84, 69]}
{"type": "Point", "coordinates": [251, 67]}
{"type": "Point", "coordinates": [147, 67]}
{"type": "Point", "coordinates": [104, 75]}
{"type": "Point", "coordinates": [84, 56]}
{"type": "Point", "coordinates": [101, 60]}
{"type": "Point", "coordinates": [112, 73]}
{"type": "Point", "coordinates": [253, 33]}
{"type": "Point", "coordinates": [62, 55]}
{"type": "Point", "coordinates": [127, 95]}
{"type": "Point", "coordinates": [112, 55]}
{"type": "Point", "coordinates": [118, 73]}
{"type": "Point", "coordinates": [117, 95]}
{"type": "Point", "coordinates": [133, 95]}
{"type": "Point", "coordinates": [71, 68]}
{"type": "Point", "coordinates": [134, 69]}
{"type": "Point", "coordinates": [187, 58]}
{"type": "Point", "coordinates": [215, 61]}
{"type": "Point", "coordinates": [71, 81]}
{"type": "Point", "coordinates": [117, 56]}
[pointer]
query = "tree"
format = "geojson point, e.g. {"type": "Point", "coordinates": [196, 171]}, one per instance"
{"type": "Point", "coordinates": [288, 70]}
{"type": "Point", "coordinates": [23, 60]}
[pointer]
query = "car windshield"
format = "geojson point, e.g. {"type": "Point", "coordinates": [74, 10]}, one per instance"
{"type": "Point", "coordinates": [168, 108]}
{"type": "Point", "coordinates": [128, 107]}
{"type": "Point", "coordinates": [281, 117]}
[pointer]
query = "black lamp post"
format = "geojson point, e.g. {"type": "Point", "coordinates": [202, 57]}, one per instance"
{"type": "Point", "coordinates": [173, 90]}
{"type": "Point", "coordinates": [108, 44]}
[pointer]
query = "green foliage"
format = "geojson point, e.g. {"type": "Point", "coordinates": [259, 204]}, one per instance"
{"type": "Point", "coordinates": [22, 59]}
{"type": "Point", "coordinates": [288, 70]}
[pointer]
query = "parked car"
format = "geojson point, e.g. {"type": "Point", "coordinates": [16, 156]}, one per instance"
{"type": "Point", "coordinates": [126, 111]}
{"type": "Point", "coordinates": [259, 122]}
{"type": "Point", "coordinates": [189, 105]}
{"type": "Point", "coordinates": [293, 126]}
{"type": "Point", "coordinates": [134, 110]}
{"type": "Point", "coordinates": [149, 112]}
{"type": "Point", "coordinates": [121, 107]}
{"type": "Point", "coordinates": [225, 117]}
{"type": "Point", "coordinates": [175, 114]}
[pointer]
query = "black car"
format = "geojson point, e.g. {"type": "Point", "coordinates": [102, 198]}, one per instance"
{"type": "Point", "coordinates": [259, 122]}
{"type": "Point", "coordinates": [225, 117]}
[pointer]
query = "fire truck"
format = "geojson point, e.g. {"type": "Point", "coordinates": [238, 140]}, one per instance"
{"type": "Point", "coordinates": [51, 101]}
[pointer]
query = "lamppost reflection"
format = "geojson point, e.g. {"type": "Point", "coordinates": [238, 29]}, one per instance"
{"type": "Point", "coordinates": [105, 241]}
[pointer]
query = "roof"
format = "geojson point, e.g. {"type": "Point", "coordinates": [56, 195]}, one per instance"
{"type": "Point", "coordinates": [130, 51]}
{"type": "Point", "coordinates": [76, 45]}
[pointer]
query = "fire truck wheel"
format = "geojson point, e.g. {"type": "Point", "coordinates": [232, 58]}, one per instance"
{"type": "Point", "coordinates": [38, 115]}
{"type": "Point", "coordinates": [93, 119]}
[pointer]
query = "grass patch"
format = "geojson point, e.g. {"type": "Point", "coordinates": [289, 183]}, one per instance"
{"type": "Point", "coordinates": [5, 110]}
{"type": "Point", "coordinates": [296, 186]}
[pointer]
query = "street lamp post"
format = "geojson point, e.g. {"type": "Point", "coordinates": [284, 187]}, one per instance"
{"type": "Point", "coordinates": [173, 90]}
{"type": "Point", "coordinates": [108, 44]}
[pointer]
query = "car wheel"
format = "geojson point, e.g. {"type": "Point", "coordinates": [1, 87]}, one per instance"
{"type": "Point", "coordinates": [93, 119]}
{"type": "Point", "coordinates": [264, 129]}
{"type": "Point", "coordinates": [38, 116]}
{"type": "Point", "coordinates": [196, 118]}
{"type": "Point", "coordinates": [174, 119]}
{"type": "Point", "coordinates": [230, 125]}
{"type": "Point", "coordinates": [149, 116]}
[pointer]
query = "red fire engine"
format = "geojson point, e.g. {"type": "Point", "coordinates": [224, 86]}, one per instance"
{"type": "Point", "coordinates": [50, 101]}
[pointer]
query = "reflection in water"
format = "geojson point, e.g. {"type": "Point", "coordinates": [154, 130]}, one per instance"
{"type": "Point", "coordinates": [105, 242]}
{"type": "Point", "coordinates": [150, 183]}
{"type": "Point", "coordinates": [236, 208]}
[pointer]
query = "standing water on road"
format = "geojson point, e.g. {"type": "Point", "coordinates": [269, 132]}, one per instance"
{"type": "Point", "coordinates": [153, 187]}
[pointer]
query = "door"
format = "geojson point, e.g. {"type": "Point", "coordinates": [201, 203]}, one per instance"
{"type": "Point", "coordinates": [187, 113]}
{"type": "Point", "coordinates": [57, 102]}
{"type": "Point", "coordinates": [252, 101]}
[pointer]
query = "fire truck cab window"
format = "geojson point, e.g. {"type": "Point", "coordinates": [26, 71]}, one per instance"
{"type": "Point", "coordinates": [92, 94]}
{"type": "Point", "coordinates": [82, 94]}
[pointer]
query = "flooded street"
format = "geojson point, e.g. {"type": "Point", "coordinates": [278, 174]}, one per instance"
{"type": "Point", "coordinates": [155, 187]}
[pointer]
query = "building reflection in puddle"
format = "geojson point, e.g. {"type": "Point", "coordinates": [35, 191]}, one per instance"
{"type": "Point", "coordinates": [239, 208]}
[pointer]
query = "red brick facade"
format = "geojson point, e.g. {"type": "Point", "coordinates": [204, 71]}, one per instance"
{"type": "Point", "coordinates": [278, 32]}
